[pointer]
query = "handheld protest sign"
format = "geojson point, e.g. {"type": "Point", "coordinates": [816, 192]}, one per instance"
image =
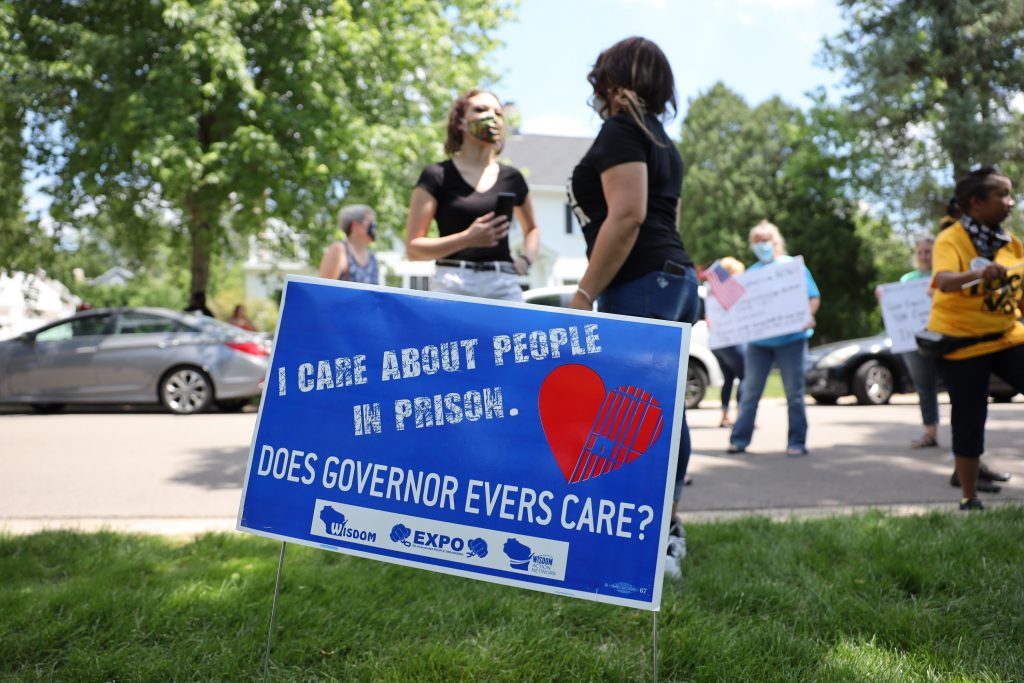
{"type": "Point", "coordinates": [773, 302]}
{"type": "Point", "coordinates": [905, 310]}
{"type": "Point", "coordinates": [510, 443]}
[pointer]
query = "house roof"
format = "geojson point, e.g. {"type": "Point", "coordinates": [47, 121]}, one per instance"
{"type": "Point", "coordinates": [115, 275]}
{"type": "Point", "coordinates": [545, 159]}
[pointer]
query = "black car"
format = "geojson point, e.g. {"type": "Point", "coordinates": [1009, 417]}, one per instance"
{"type": "Point", "coordinates": [868, 369]}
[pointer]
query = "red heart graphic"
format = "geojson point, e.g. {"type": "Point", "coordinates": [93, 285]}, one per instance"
{"type": "Point", "coordinates": [592, 431]}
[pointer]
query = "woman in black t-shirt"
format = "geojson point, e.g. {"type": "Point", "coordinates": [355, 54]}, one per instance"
{"type": "Point", "coordinates": [472, 252]}
{"type": "Point", "coordinates": [625, 193]}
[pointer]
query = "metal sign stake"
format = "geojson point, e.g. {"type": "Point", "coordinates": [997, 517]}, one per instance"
{"type": "Point", "coordinates": [654, 639]}
{"type": "Point", "coordinates": [273, 613]}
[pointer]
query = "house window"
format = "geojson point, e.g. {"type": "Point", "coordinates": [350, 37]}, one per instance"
{"type": "Point", "coordinates": [420, 282]}
{"type": "Point", "coordinates": [568, 219]}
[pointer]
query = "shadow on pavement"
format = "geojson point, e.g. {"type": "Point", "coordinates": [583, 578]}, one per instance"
{"type": "Point", "coordinates": [216, 468]}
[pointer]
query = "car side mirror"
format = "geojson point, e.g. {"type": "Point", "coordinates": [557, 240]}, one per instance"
{"type": "Point", "coordinates": [27, 338]}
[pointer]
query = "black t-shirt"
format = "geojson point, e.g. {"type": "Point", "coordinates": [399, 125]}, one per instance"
{"type": "Point", "coordinates": [622, 141]}
{"type": "Point", "coordinates": [459, 204]}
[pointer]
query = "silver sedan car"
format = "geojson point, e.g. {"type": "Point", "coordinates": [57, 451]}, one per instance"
{"type": "Point", "coordinates": [134, 355]}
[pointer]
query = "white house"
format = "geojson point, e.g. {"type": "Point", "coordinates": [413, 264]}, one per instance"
{"type": "Point", "coordinates": [547, 162]}
{"type": "Point", "coordinates": [113, 277]}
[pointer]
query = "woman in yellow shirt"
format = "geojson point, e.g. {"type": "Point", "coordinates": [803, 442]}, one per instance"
{"type": "Point", "coordinates": [977, 274]}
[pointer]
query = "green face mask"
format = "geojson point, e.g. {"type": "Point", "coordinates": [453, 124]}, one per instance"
{"type": "Point", "coordinates": [484, 129]}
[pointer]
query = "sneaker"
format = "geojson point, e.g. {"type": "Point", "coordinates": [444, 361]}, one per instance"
{"type": "Point", "coordinates": [672, 569]}
{"type": "Point", "coordinates": [971, 504]}
{"type": "Point", "coordinates": [677, 540]}
{"type": "Point", "coordinates": [676, 550]}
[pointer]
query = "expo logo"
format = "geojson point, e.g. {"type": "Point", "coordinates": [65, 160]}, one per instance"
{"type": "Point", "coordinates": [438, 542]}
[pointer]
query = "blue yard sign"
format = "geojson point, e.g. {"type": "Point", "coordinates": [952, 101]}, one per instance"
{"type": "Point", "coordinates": [534, 447]}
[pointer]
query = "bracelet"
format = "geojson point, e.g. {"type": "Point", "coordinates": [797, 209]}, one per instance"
{"type": "Point", "coordinates": [586, 295]}
{"type": "Point", "coordinates": [527, 259]}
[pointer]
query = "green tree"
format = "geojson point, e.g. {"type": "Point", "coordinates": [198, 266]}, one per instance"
{"type": "Point", "coordinates": [17, 240]}
{"type": "Point", "coordinates": [743, 164]}
{"type": "Point", "coordinates": [193, 123]}
{"type": "Point", "coordinates": [933, 82]}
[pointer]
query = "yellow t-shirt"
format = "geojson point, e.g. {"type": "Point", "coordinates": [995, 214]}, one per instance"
{"type": "Point", "coordinates": [982, 309]}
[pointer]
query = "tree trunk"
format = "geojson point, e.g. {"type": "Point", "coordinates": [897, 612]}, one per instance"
{"type": "Point", "coordinates": [200, 228]}
{"type": "Point", "coordinates": [200, 234]}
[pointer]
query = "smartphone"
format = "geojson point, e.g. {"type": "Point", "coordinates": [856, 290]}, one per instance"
{"type": "Point", "coordinates": [673, 268]}
{"type": "Point", "coordinates": [506, 203]}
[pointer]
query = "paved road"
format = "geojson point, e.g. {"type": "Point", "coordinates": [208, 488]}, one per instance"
{"type": "Point", "coordinates": [148, 471]}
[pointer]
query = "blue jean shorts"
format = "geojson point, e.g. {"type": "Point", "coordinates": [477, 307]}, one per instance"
{"type": "Point", "coordinates": [664, 296]}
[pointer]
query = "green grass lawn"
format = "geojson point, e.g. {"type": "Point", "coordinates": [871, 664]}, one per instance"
{"type": "Point", "coordinates": [871, 598]}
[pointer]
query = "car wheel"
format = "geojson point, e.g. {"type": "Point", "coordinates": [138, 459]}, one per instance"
{"type": "Point", "coordinates": [48, 408]}
{"type": "Point", "coordinates": [696, 384]}
{"type": "Point", "coordinates": [232, 405]}
{"type": "Point", "coordinates": [873, 383]}
{"type": "Point", "coordinates": [186, 390]}
{"type": "Point", "coordinates": [825, 399]}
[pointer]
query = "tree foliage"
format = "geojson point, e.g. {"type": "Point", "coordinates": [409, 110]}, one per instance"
{"type": "Point", "coordinates": [935, 85]}
{"type": "Point", "coordinates": [743, 164]}
{"type": "Point", "coordinates": [194, 122]}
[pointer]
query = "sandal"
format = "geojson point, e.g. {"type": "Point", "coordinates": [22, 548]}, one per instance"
{"type": "Point", "coordinates": [926, 441]}
{"type": "Point", "coordinates": [726, 422]}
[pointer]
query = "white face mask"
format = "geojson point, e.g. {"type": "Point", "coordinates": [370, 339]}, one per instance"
{"type": "Point", "coordinates": [601, 106]}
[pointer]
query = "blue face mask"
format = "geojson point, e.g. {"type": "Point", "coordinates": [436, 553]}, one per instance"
{"type": "Point", "coordinates": [764, 251]}
{"type": "Point", "coordinates": [372, 231]}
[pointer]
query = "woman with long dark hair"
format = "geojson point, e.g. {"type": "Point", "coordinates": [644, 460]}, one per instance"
{"type": "Point", "coordinates": [471, 250]}
{"type": "Point", "coordinates": [625, 192]}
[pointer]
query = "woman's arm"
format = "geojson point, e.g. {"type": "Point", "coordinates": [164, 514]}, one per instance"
{"type": "Point", "coordinates": [334, 261]}
{"type": "Point", "coordinates": [948, 281]}
{"type": "Point", "coordinates": [625, 191]}
{"type": "Point", "coordinates": [485, 231]}
{"type": "Point", "coordinates": [531, 233]}
{"type": "Point", "coordinates": [813, 303]}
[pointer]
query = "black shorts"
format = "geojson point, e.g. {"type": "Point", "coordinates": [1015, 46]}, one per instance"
{"type": "Point", "coordinates": [967, 383]}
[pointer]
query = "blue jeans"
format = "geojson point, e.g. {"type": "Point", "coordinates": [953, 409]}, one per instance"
{"type": "Point", "coordinates": [730, 359]}
{"type": "Point", "coordinates": [925, 377]}
{"type": "Point", "coordinates": [790, 359]}
{"type": "Point", "coordinates": [666, 297]}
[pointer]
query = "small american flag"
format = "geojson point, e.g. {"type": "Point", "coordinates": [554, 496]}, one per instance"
{"type": "Point", "coordinates": [724, 287]}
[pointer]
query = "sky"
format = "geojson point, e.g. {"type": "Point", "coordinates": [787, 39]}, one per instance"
{"type": "Point", "coordinates": [759, 48]}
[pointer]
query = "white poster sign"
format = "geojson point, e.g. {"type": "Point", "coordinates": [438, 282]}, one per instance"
{"type": "Point", "coordinates": [775, 303]}
{"type": "Point", "coordinates": [905, 309]}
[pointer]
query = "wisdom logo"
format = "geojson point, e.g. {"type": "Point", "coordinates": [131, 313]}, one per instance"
{"type": "Point", "coordinates": [521, 557]}
{"type": "Point", "coordinates": [437, 542]}
{"type": "Point", "coordinates": [336, 524]}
